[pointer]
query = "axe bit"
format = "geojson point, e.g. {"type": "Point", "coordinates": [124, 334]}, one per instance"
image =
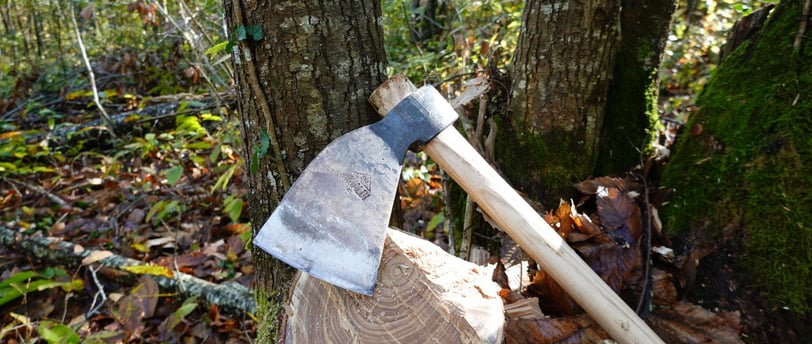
{"type": "Point", "coordinates": [332, 222]}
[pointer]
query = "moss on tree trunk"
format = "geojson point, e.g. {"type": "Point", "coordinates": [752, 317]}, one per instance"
{"type": "Point", "coordinates": [560, 77]}
{"type": "Point", "coordinates": [583, 94]}
{"type": "Point", "coordinates": [631, 111]}
{"type": "Point", "coordinates": [750, 165]}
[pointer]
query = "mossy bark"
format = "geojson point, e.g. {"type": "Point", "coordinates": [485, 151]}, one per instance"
{"type": "Point", "coordinates": [560, 77]}
{"type": "Point", "coordinates": [583, 96]}
{"type": "Point", "coordinates": [303, 84]}
{"type": "Point", "coordinates": [631, 112]}
{"type": "Point", "coordinates": [750, 165]}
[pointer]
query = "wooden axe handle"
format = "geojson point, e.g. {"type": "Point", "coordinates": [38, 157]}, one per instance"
{"type": "Point", "coordinates": [513, 215]}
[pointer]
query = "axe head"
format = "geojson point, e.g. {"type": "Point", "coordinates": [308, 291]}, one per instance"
{"type": "Point", "coordinates": [332, 222]}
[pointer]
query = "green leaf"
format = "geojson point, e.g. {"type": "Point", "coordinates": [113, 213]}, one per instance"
{"type": "Point", "coordinates": [264, 143]}
{"type": "Point", "coordinates": [215, 154]}
{"type": "Point", "coordinates": [246, 238]}
{"type": "Point", "coordinates": [217, 48]}
{"type": "Point", "coordinates": [155, 208]}
{"type": "Point", "coordinates": [199, 145]}
{"type": "Point", "coordinates": [56, 333]}
{"type": "Point", "coordinates": [181, 312]}
{"type": "Point", "coordinates": [224, 179]}
{"type": "Point", "coordinates": [210, 117]}
{"type": "Point", "coordinates": [241, 33]}
{"type": "Point", "coordinates": [103, 337]}
{"type": "Point", "coordinates": [173, 174]}
{"type": "Point", "coordinates": [18, 277]}
{"type": "Point", "coordinates": [233, 207]}
{"type": "Point", "coordinates": [255, 162]}
{"type": "Point", "coordinates": [434, 222]}
{"type": "Point", "coordinates": [255, 31]}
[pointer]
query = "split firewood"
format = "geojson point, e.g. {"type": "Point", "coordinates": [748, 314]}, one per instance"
{"type": "Point", "coordinates": [423, 295]}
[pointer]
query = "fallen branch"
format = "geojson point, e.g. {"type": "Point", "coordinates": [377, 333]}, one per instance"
{"type": "Point", "coordinates": [152, 112]}
{"type": "Point", "coordinates": [229, 295]}
{"type": "Point", "coordinates": [39, 189]}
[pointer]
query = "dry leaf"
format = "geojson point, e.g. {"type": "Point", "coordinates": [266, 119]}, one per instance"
{"type": "Point", "coordinates": [87, 12]}
{"type": "Point", "coordinates": [96, 256]}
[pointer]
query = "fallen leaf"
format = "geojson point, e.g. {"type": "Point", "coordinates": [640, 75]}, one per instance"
{"type": "Point", "coordinates": [96, 256]}
{"type": "Point", "coordinates": [156, 270]}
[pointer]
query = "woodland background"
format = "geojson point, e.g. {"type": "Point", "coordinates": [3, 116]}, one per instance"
{"type": "Point", "coordinates": [119, 135]}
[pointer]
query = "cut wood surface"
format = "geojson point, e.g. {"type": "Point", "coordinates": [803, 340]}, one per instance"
{"type": "Point", "coordinates": [423, 295]}
{"type": "Point", "coordinates": [516, 217]}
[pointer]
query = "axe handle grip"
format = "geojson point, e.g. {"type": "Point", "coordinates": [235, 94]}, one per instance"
{"type": "Point", "coordinates": [516, 217]}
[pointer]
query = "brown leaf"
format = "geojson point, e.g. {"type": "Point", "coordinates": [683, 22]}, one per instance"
{"type": "Point", "coordinates": [554, 299]}
{"type": "Point", "coordinates": [87, 12]}
{"type": "Point", "coordinates": [612, 262]}
{"type": "Point", "coordinates": [550, 330]}
{"type": "Point", "coordinates": [96, 256]}
{"type": "Point", "coordinates": [130, 314]}
{"type": "Point", "coordinates": [565, 223]}
{"type": "Point", "coordinates": [500, 276]}
{"type": "Point", "coordinates": [618, 214]}
{"type": "Point", "coordinates": [688, 323]}
{"type": "Point", "coordinates": [585, 225]}
{"type": "Point", "coordinates": [590, 187]}
{"type": "Point", "coordinates": [146, 294]}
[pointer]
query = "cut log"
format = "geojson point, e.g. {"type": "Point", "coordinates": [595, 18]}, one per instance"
{"type": "Point", "coordinates": [423, 295]}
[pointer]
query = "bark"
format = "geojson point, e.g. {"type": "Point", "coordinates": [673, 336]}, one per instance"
{"type": "Point", "coordinates": [560, 79]}
{"type": "Point", "coordinates": [304, 83]}
{"type": "Point", "coordinates": [631, 114]}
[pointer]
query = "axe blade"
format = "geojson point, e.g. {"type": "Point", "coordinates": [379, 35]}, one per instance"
{"type": "Point", "coordinates": [332, 222]}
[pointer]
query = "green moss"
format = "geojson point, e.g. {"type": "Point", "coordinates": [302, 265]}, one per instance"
{"type": "Point", "coordinates": [543, 166]}
{"type": "Point", "coordinates": [751, 163]}
{"type": "Point", "coordinates": [631, 119]}
{"type": "Point", "coordinates": [270, 307]}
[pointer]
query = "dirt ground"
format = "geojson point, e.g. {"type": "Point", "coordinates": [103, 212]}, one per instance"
{"type": "Point", "coordinates": [721, 285]}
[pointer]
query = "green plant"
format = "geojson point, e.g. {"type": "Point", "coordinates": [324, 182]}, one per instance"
{"type": "Point", "coordinates": [56, 333]}
{"type": "Point", "coordinates": [466, 36]}
{"type": "Point", "coordinates": [24, 282]}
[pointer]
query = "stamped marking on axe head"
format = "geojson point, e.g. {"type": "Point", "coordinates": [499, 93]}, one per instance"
{"type": "Point", "coordinates": [332, 222]}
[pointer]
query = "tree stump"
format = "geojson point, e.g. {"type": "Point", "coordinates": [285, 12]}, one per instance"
{"type": "Point", "coordinates": [423, 295]}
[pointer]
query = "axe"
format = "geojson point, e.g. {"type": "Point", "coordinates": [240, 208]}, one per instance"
{"type": "Point", "coordinates": [332, 222]}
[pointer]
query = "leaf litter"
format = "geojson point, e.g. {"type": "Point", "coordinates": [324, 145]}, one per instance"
{"type": "Point", "coordinates": [162, 200]}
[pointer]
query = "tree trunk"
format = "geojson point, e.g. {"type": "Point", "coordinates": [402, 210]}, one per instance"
{"type": "Point", "coordinates": [302, 81]}
{"type": "Point", "coordinates": [631, 114]}
{"type": "Point", "coordinates": [560, 78]}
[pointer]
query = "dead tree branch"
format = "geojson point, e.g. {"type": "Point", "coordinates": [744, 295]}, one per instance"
{"type": "Point", "coordinates": [229, 295]}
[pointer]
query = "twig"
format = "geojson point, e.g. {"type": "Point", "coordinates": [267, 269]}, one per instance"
{"type": "Point", "coordinates": [94, 308]}
{"type": "Point", "coordinates": [54, 198]}
{"type": "Point", "coordinates": [796, 46]}
{"type": "Point", "coordinates": [641, 310]}
{"type": "Point", "coordinates": [89, 69]}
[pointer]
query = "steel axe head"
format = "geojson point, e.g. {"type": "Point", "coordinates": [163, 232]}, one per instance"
{"type": "Point", "coordinates": [332, 222]}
